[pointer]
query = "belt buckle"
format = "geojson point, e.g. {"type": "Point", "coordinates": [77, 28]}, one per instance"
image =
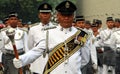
{"type": "Point", "coordinates": [9, 52]}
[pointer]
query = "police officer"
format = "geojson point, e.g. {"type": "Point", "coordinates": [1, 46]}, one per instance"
{"type": "Point", "coordinates": [12, 34]}
{"type": "Point", "coordinates": [99, 49]}
{"type": "Point", "coordinates": [90, 67]}
{"type": "Point", "coordinates": [1, 47]}
{"type": "Point", "coordinates": [108, 55]}
{"type": "Point", "coordinates": [61, 62]}
{"type": "Point", "coordinates": [2, 42]}
{"type": "Point", "coordinates": [115, 44]}
{"type": "Point", "coordinates": [35, 35]}
{"type": "Point", "coordinates": [93, 61]}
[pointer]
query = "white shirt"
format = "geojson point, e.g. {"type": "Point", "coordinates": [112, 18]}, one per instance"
{"type": "Point", "coordinates": [57, 36]}
{"type": "Point", "coordinates": [115, 39]}
{"type": "Point", "coordinates": [36, 33]}
{"type": "Point", "coordinates": [91, 46]}
{"type": "Point", "coordinates": [105, 37]}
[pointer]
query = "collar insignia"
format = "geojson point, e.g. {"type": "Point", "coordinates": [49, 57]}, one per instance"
{"type": "Point", "coordinates": [19, 34]}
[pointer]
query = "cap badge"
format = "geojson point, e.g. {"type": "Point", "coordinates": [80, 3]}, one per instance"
{"type": "Point", "coordinates": [45, 6]}
{"type": "Point", "coordinates": [67, 5]}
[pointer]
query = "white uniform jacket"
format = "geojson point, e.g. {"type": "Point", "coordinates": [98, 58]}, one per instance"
{"type": "Point", "coordinates": [115, 39]}
{"type": "Point", "coordinates": [57, 36]}
{"type": "Point", "coordinates": [91, 47]}
{"type": "Point", "coordinates": [105, 37]}
{"type": "Point", "coordinates": [93, 50]}
{"type": "Point", "coordinates": [36, 33]}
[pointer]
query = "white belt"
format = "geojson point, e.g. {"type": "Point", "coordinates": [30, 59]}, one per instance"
{"type": "Point", "coordinates": [20, 51]}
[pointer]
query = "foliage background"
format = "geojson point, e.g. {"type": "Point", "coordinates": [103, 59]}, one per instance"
{"type": "Point", "coordinates": [26, 9]}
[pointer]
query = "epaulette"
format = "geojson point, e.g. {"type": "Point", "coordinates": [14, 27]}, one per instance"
{"type": "Point", "coordinates": [116, 30]}
{"type": "Point", "coordinates": [34, 24]}
{"type": "Point", "coordinates": [24, 29]}
{"type": "Point", "coordinates": [49, 27]}
{"type": "Point", "coordinates": [3, 29]}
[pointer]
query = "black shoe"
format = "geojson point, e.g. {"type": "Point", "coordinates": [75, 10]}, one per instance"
{"type": "Point", "coordinates": [109, 70]}
{"type": "Point", "coordinates": [35, 73]}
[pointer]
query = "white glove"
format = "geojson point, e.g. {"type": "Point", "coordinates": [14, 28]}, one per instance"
{"type": "Point", "coordinates": [17, 63]}
{"type": "Point", "coordinates": [95, 67]}
{"type": "Point", "coordinates": [118, 50]}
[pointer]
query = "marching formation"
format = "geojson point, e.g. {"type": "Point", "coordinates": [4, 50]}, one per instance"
{"type": "Point", "coordinates": [73, 45]}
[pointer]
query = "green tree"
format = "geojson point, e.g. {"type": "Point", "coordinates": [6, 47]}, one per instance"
{"type": "Point", "coordinates": [27, 9]}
